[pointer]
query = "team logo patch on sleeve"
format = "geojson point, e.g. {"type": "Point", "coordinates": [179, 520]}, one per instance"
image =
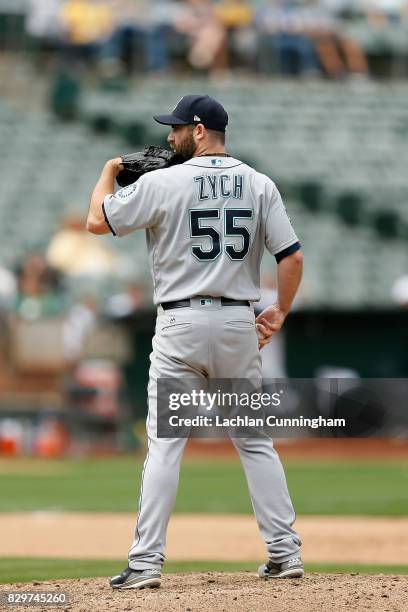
{"type": "Point", "coordinates": [126, 191]}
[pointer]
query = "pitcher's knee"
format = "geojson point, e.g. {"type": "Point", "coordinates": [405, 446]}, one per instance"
{"type": "Point", "coordinates": [242, 444]}
{"type": "Point", "coordinates": [255, 445]}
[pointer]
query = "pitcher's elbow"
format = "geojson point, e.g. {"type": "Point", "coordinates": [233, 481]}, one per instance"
{"type": "Point", "coordinates": [294, 260]}
{"type": "Point", "coordinates": [297, 258]}
{"type": "Point", "coordinates": [91, 226]}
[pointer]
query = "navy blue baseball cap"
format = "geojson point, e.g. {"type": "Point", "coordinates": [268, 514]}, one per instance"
{"type": "Point", "coordinates": [192, 110]}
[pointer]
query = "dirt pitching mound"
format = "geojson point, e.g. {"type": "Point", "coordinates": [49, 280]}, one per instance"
{"type": "Point", "coordinates": [224, 592]}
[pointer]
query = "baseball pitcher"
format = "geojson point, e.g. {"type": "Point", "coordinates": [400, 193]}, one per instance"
{"type": "Point", "coordinates": [207, 222]}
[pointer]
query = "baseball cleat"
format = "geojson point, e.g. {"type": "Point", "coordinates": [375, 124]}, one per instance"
{"type": "Point", "coordinates": [289, 569]}
{"type": "Point", "coordinates": [136, 579]}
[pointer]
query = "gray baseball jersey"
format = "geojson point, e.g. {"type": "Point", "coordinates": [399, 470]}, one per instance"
{"type": "Point", "coordinates": [207, 222]}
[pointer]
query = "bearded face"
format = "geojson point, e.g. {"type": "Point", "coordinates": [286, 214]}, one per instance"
{"type": "Point", "coordinates": [181, 140]}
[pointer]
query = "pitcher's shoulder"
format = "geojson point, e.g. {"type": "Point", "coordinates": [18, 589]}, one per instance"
{"type": "Point", "coordinates": [259, 178]}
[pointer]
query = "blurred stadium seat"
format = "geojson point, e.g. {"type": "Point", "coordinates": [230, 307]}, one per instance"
{"type": "Point", "coordinates": [342, 146]}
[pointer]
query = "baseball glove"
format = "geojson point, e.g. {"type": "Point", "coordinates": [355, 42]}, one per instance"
{"type": "Point", "coordinates": [151, 158]}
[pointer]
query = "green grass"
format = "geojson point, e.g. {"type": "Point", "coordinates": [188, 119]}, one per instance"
{"type": "Point", "coordinates": [346, 488]}
{"type": "Point", "coordinates": [26, 570]}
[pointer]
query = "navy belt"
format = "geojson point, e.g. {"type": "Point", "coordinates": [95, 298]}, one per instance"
{"type": "Point", "coordinates": [187, 303]}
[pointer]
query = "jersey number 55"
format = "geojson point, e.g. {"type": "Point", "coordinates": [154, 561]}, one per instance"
{"type": "Point", "coordinates": [218, 241]}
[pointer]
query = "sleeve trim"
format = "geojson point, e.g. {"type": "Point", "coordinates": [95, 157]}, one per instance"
{"type": "Point", "coordinates": [107, 220]}
{"type": "Point", "coordinates": [285, 244]}
{"type": "Point", "coordinates": [288, 251]}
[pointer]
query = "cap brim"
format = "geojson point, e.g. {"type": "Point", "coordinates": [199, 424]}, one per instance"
{"type": "Point", "coordinates": [169, 120]}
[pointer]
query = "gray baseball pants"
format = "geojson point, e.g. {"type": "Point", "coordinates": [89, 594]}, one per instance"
{"type": "Point", "coordinates": [198, 342]}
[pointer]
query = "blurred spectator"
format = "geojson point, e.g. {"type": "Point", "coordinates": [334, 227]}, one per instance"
{"type": "Point", "coordinates": [128, 39]}
{"type": "Point", "coordinates": [127, 303]}
{"type": "Point", "coordinates": [159, 28]}
{"type": "Point", "coordinates": [42, 23]}
{"type": "Point", "coordinates": [8, 288]}
{"type": "Point", "coordinates": [39, 292]}
{"type": "Point", "coordinates": [284, 45]}
{"type": "Point", "coordinates": [8, 291]}
{"type": "Point", "coordinates": [234, 13]}
{"type": "Point", "coordinates": [206, 35]}
{"type": "Point", "coordinates": [80, 321]}
{"type": "Point", "coordinates": [142, 33]}
{"type": "Point", "coordinates": [377, 26]}
{"type": "Point", "coordinates": [75, 252]}
{"type": "Point", "coordinates": [399, 292]}
{"type": "Point", "coordinates": [40, 295]}
{"type": "Point", "coordinates": [338, 54]}
{"type": "Point", "coordinates": [238, 18]}
{"type": "Point", "coordinates": [87, 26]}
